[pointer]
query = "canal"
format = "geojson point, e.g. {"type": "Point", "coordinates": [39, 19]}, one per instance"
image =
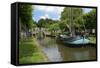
{"type": "Point", "coordinates": [59, 52]}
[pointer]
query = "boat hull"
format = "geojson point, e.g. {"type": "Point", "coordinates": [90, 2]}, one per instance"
{"type": "Point", "coordinates": [75, 40]}
{"type": "Point", "coordinates": [79, 41]}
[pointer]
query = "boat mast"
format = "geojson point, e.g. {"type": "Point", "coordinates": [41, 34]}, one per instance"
{"type": "Point", "coordinates": [71, 22]}
{"type": "Point", "coordinates": [70, 19]}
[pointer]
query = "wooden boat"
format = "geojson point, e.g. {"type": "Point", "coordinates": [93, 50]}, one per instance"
{"type": "Point", "coordinates": [74, 40]}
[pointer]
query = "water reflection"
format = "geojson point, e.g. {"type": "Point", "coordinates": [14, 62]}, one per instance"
{"type": "Point", "coordinates": [50, 48]}
{"type": "Point", "coordinates": [58, 52]}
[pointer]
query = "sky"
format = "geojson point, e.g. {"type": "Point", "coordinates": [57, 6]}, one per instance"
{"type": "Point", "coordinates": [51, 12]}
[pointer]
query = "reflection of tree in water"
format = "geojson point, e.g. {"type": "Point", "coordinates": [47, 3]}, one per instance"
{"type": "Point", "coordinates": [75, 54]}
{"type": "Point", "coordinates": [47, 42]}
{"type": "Point", "coordinates": [50, 48]}
{"type": "Point", "coordinates": [60, 52]}
{"type": "Point", "coordinates": [40, 35]}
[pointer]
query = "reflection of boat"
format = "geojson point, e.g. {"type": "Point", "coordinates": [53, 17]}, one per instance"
{"type": "Point", "coordinates": [76, 54]}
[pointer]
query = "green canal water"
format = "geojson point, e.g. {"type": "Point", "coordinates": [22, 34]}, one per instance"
{"type": "Point", "coordinates": [59, 52]}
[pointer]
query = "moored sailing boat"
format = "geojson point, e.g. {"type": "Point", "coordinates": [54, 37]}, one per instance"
{"type": "Point", "coordinates": [74, 39]}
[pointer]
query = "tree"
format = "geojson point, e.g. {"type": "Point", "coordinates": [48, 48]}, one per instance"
{"type": "Point", "coordinates": [79, 23]}
{"type": "Point", "coordinates": [25, 17]}
{"type": "Point", "coordinates": [90, 19]}
{"type": "Point", "coordinates": [25, 14]}
{"type": "Point", "coordinates": [41, 23]}
{"type": "Point", "coordinates": [45, 23]}
{"type": "Point", "coordinates": [34, 24]}
{"type": "Point", "coordinates": [63, 26]}
{"type": "Point", "coordinates": [69, 16]}
{"type": "Point", "coordinates": [54, 27]}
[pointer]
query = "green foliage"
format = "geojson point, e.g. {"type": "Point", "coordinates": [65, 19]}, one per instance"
{"type": "Point", "coordinates": [62, 26]}
{"type": "Point", "coordinates": [45, 23]}
{"type": "Point", "coordinates": [79, 22]}
{"type": "Point", "coordinates": [54, 27]}
{"type": "Point", "coordinates": [41, 23]}
{"type": "Point", "coordinates": [34, 24]}
{"type": "Point", "coordinates": [78, 19]}
{"type": "Point", "coordinates": [92, 39]}
{"type": "Point", "coordinates": [69, 15]}
{"type": "Point", "coordinates": [90, 19]}
{"type": "Point", "coordinates": [25, 14]}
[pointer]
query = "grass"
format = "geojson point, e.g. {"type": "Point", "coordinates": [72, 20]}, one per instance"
{"type": "Point", "coordinates": [92, 39]}
{"type": "Point", "coordinates": [30, 52]}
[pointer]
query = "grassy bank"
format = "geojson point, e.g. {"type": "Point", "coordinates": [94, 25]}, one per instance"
{"type": "Point", "coordinates": [92, 39]}
{"type": "Point", "coordinates": [30, 52]}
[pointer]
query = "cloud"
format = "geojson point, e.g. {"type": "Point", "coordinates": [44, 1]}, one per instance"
{"type": "Point", "coordinates": [45, 16]}
{"type": "Point", "coordinates": [50, 11]}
